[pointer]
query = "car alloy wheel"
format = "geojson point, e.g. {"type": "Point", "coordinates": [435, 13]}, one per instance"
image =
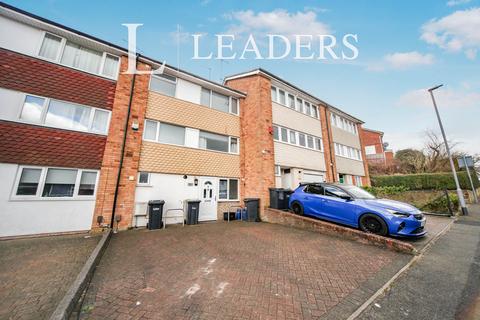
{"type": "Point", "coordinates": [297, 209]}
{"type": "Point", "coordinates": [372, 224]}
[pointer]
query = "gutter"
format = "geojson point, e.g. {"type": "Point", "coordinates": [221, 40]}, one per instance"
{"type": "Point", "coordinates": [330, 139]}
{"type": "Point", "coordinates": [122, 154]}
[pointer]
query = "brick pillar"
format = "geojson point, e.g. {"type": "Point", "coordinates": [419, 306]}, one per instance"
{"type": "Point", "coordinates": [256, 145]}
{"type": "Point", "coordinates": [366, 179]}
{"type": "Point", "coordinates": [111, 159]}
{"type": "Point", "coordinates": [329, 152]}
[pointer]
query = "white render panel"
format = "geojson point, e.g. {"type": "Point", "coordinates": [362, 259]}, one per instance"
{"type": "Point", "coordinates": [349, 166]}
{"type": "Point", "coordinates": [297, 157]}
{"type": "Point", "coordinates": [11, 102]}
{"type": "Point", "coordinates": [192, 137]}
{"type": "Point", "coordinates": [20, 37]}
{"type": "Point", "coordinates": [295, 120]}
{"type": "Point", "coordinates": [26, 217]}
{"type": "Point", "coordinates": [346, 138]}
{"type": "Point", "coordinates": [188, 91]}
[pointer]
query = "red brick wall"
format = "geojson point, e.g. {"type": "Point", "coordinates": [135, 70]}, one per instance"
{"type": "Point", "coordinates": [36, 76]}
{"type": "Point", "coordinates": [256, 145]}
{"type": "Point", "coordinates": [329, 151]}
{"type": "Point", "coordinates": [371, 138]}
{"type": "Point", "coordinates": [34, 145]}
{"type": "Point", "coordinates": [366, 178]}
{"type": "Point", "coordinates": [111, 160]}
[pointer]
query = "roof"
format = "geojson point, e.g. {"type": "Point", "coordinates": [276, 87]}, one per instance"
{"type": "Point", "coordinates": [272, 76]}
{"type": "Point", "coordinates": [116, 48]}
{"type": "Point", "coordinates": [376, 131]}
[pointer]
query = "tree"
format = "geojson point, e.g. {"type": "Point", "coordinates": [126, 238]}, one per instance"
{"type": "Point", "coordinates": [411, 160]}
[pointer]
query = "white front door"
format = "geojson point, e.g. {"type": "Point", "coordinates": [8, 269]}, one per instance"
{"type": "Point", "coordinates": [208, 196]}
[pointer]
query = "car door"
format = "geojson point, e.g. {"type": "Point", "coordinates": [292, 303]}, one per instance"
{"type": "Point", "coordinates": [311, 200]}
{"type": "Point", "coordinates": [337, 208]}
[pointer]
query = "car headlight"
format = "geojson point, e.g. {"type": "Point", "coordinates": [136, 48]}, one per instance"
{"type": "Point", "coordinates": [398, 214]}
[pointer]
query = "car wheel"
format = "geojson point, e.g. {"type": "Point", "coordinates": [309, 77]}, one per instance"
{"type": "Point", "coordinates": [297, 208]}
{"type": "Point", "coordinates": [373, 224]}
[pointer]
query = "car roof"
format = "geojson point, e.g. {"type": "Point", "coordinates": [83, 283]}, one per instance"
{"type": "Point", "coordinates": [336, 184]}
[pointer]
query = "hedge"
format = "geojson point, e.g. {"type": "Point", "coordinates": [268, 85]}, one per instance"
{"type": "Point", "coordinates": [425, 181]}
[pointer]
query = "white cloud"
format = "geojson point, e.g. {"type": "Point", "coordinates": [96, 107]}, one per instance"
{"type": "Point", "coordinates": [453, 3]}
{"type": "Point", "coordinates": [278, 21]}
{"type": "Point", "coordinates": [445, 98]}
{"type": "Point", "coordinates": [205, 2]}
{"type": "Point", "coordinates": [456, 32]}
{"type": "Point", "coordinates": [316, 9]}
{"type": "Point", "coordinates": [401, 61]}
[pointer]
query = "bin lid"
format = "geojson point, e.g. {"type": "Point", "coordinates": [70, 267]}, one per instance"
{"type": "Point", "coordinates": [276, 189]}
{"type": "Point", "coordinates": [156, 202]}
{"type": "Point", "coordinates": [193, 200]}
{"type": "Point", "coordinates": [251, 199]}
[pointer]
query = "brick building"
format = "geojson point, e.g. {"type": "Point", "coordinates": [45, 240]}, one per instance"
{"type": "Point", "coordinates": [376, 149]}
{"type": "Point", "coordinates": [82, 141]}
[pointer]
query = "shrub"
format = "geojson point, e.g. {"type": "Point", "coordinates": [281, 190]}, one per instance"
{"type": "Point", "coordinates": [425, 181]}
{"type": "Point", "coordinates": [440, 204]}
{"type": "Point", "coordinates": [386, 190]}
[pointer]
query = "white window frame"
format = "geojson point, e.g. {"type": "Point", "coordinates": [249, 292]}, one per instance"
{"type": "Point", "coordinates": [299, 103]}
{"type": "Point", "coordinates": [41, 185]}
{"type": "Point", "coordinates": [144, 184]}
{"type": "Point", "coordinates": [46, 105]}
{"type": "Point", "coordinates": [168, 80]}
{"type": "Point", "coordinates": [297, 138]}
{"type": "Point", "coordinates": [230, 144]}
{"type": "Point", "coordinates": [61, 50]}
{"type": "Point", "coordinates": [228, 190]}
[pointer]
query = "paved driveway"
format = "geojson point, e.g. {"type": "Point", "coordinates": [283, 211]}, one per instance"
{"type": "Point", "coordinates": [36, 273]}
{"type": "Point", "coordinates": [235, 271]}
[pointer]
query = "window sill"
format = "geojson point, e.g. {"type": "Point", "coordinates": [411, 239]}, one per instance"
{"type": "Point", "coordinates": [348, 158]}
{"type": "Point", "coordinates": [228, 200]}
{"type": "Point", "coordinates": [193, 148]}
{"type": "Point", "coordinates": [23, 199]}
{"type": "Point", "coordinates": [295, 145]}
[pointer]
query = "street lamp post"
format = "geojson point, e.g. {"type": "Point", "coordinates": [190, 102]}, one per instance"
{"type": "Point", "coordinates": [452, 165]}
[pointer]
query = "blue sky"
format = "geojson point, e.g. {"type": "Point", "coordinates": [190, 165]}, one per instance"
{"type": "Point", "coordinates": [404, 47]}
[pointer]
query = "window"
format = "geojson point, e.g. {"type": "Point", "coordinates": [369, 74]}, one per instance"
{"type": "Point", "coordinates": [335, 192]}
{"type": "Point", "coordinates": [213, 141]}
{"type": "Point", "coordinates": [150, 130]}
{"type": "Point", "coordinates": [358, 181]}
{"type": "Point", "coordinates": [171, 134]}
{"type": "Point", "coordinates": [233, 145]}
{"type": "Point", "coordinates": [32, 109]}
{"type": "Point", "coordinates": [281, 96]}
{"type": "Point", "coordinates": [314, 112]}
{"type": "Point", "coordinates": [293, 137]}
{"type": "Point", "coordinates": [59, 183]}
{"type": "Point", "coordinates": [370, 150]}
{"type": "Point", "coordinates": [275, 133]}
{"type": "Point", "coordinates": [310, 142]}
{"type": "Point", "coordinates": [69, 116]}
{"type": "Point", "coordinates": [66, 115]}
{"type": "Point", "coordinates": [82, 58]}
{"type": "Point", "coordinates": [144, 178]}
{"type": "Point", "coordinates": [87, 183]}
{"type": "Point", "coordinates": [50, 47]}
{"type": "Point", "coordinates": [220, 102]}
{"type": "Point", "coordinates": [38, 183]}
{"type": "Point", "coordinates": [274, 94]}
{"type": "Point", "coordinates": [284, 135]}
{"type": "Point", "coordinates": [301, 139]}
{"type": "Point", "coordinates": [28, 184]}
{"type": "Point", "coordinates": [234, 106]}
{"type": "Point", "coordinates": [318, 144]}
{"type": "Point", "coordinates": [228, 189]}
{"type": "Point", "coordinates": [291, 101]}
{"type": "Point", "coordinates": [341, 178]}
{"type": "Point", "coordinates": [164, 84]}
{"type": "Point", "coordinates": [314, 189]}
{"type": "Point", "coordinates": [299, 105]}
{"type": "Point", "coordinates": [307, 107]}
{"type": "Point", "coordinates": [110, 66]}
{"type": "Point", "coordinates": [344, 124]}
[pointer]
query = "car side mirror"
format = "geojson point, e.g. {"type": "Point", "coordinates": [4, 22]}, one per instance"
{"type": "Point", "coordinates": [347, 198]}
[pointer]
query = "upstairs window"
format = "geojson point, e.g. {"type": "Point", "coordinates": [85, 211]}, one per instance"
{"type": "Point", "coordinates": [171, 134]}
{"type": "Point", "coordinates": [65, 115]}
{"type": "Point", "coordinates": [164, 84]}
{"type": "Point", "coordinates": [274, 93]}
{"type": "Point", "coordinates": [73, 55]}
{"type": "Point", "coordinates": [218, 101]}
{"type": "Point", "coordinates": [213, 141]}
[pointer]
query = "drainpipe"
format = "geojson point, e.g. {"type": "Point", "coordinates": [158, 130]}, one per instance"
{"type": "Point", "coordinates": [115, 197]}
{"type": "Point", "coordinates": [330, 143]}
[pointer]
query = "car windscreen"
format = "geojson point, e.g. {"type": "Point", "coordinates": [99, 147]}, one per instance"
{"type": "Point", "coordinates": [358, 193]}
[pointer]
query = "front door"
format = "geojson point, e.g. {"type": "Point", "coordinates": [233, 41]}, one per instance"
{"type": "Point", "coordinates": [208, 197]}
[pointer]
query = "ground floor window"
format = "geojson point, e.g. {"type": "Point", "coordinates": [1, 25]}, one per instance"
{"type": "Point", "coordinates": [358, 181]}
{"type": "Point", "coordinates": [42, 182]}
{"type": "Point", "coordinates": [228, 189]}
{"type": "Point", "coordinates": [341, 178]}
{"type": "Point", "coordinates": [144, 178]}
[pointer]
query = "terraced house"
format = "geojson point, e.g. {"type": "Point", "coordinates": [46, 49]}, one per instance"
{"type": "Point", "coordinates": [84, 145]}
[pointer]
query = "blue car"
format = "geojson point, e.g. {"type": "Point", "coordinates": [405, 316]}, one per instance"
{"type": "Point", "coordinates": [355, 207]}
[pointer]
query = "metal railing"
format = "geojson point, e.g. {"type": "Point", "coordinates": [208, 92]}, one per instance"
{"type": "Point", "coordinates": [233, 206]}
{"type": "Point", "coordinates": [165, 217]}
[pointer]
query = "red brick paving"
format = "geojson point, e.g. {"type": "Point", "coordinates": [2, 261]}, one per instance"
{"type": "Point", "coordinates": [234, 271]}
{"type": "Point", "coordinates": [36, 273]}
